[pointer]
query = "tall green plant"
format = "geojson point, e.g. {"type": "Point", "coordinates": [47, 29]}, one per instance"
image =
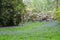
{"type": "Point", "coordinates": [57, 14]}
{"type": "Point", "coordinates": [11, 12]}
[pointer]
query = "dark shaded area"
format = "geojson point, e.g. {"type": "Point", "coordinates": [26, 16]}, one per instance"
{"type": "Point", "coordinates": [10, 14]}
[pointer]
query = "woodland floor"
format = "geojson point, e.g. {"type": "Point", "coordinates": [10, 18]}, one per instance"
{"type": "Point", "coordinates": [32, 31]}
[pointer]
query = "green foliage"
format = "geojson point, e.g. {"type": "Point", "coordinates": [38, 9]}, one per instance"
{"type": "Point", "coordinates": [11, 12]}
{"type": "Point", "coordinates": [57, 14]}
{"type": "Point", "coordinates": [41, 5]}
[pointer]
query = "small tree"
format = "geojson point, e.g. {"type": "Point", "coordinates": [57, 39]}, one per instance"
{"type": "Point", "coordinates": [57, 13]}
{"type": "Point", "coordinates": [11, 12]}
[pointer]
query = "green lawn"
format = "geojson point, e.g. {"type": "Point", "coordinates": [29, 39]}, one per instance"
{"type": "Point", "coordinates": [32, 31]}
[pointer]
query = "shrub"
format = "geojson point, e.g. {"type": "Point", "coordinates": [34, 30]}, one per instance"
{"type": "Point", "coordinates": [57, 14]}
{"type": "Point", "coordinates": [11, 12]}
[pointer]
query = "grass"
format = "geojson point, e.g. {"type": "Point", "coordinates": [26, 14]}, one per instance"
{"type": "Point", "coordinates": [32, 31]}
